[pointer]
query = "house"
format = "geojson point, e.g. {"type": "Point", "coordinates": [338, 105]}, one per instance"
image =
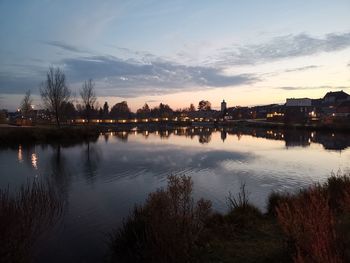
{"type": "Point", "coordinates": [299, 110]}
{"type": "Point", "coordinates": [336, 97]}
{"type": "Point", "coordinates": [343, 109]}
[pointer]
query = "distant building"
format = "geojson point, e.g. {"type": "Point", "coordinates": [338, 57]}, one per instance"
{"type": "Point", "coordinates": [223, 106]}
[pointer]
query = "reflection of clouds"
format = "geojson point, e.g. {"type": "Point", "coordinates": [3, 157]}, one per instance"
{"type": "Point", "coordinates": [160, 158]}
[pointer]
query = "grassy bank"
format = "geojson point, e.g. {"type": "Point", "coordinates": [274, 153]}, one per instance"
{"type": "Point", "coordinates": [312, 225]}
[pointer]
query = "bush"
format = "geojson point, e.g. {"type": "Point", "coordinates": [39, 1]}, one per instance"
{"type": "Point", "coordinates": [167, 228]}
{"type": "Point", "coordinates": [309, 223]}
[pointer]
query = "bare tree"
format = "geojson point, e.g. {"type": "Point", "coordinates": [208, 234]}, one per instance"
{"type": "Point", "coordinates": [88, 96]}
{"type": "Point", "coordinates": [26, 104]}
{"type": "Point", "coordinates": [54, 92]}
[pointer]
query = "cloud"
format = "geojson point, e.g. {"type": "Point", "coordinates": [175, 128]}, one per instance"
{"type": "Point", "coordinates": [17, 84]}
{"type": "Point", "coordinates": [131, 78]}
{"type": "Point", "coordinates": [288, 46]}
{"type": "Point", "coordinates": [311, 88]}
{"type": "Point", "coordinates": [66, 47]}
{"type": "Point", "coordinates": [301, 68]}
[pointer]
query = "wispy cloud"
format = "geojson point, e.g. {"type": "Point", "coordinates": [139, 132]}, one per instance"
{"type": "Point", "coordinates": [129, 78]}
{"type": "Point", "coordinates": [66, 47]}
{"type": "Point", "coordinates": [312, 88]}
{"type": "Point", "coordinates": [301, 68]}
{"type": "Point", "coordinates": [288, 46]}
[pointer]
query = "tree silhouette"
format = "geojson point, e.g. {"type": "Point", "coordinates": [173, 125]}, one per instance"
{"type": "Point", "coordinates": [88, 96]}
{"type": "Point", "coordinates": [120, 110]}
{"type": "Point", "coordinates": [54, 92]}
{"type": "Point", "coordinates": [26, 104]}
{"type": "Point", "coordinates": [204, 105]}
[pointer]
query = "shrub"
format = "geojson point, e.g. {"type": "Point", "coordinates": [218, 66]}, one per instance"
{"type": "Point", "coordinates": [167, 228]}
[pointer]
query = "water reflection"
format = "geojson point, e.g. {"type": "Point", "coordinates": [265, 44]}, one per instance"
{"type": "Point", "coordinates": [292, 138]}
{"type": "Point", "coordinates": [20, 156]}
{"type": "Point", "coordinates": [100, 181]}
{"type": "Point", "coordinates": [91, 156]}
{"type": "Point", "coordinates": [27, 154]}
{"type": "Point", "coordinates": [34, 160]}
{"type": "Point", "coordinates": [59, 169]}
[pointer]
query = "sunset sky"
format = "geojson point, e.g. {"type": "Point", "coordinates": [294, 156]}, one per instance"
{"type": "Point", "coordinates": [177, 52]}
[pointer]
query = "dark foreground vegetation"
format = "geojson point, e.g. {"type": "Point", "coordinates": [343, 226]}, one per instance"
{"type": "Point", "coordinates": [312, 225]}
{"type": "Point", "coordinates": [24, 217]}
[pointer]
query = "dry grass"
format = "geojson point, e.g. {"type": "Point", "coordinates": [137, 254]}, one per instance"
{"type": "Point", "coordinates": [24, 217]}
{"type": "Point", "coordinates": [316, 221]}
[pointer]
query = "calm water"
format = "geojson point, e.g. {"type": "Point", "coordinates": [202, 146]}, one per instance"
{"type": "Point", "coordinates": [101, 181]}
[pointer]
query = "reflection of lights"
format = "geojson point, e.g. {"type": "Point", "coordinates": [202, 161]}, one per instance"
{"type": "Point", "coordinates": [332, 134]}
{"type": "Point", "coordinates": [20, 156]}
{"type": "Point", "coordinates": [34, 159]}
{"type": "Point", "coordinates": [146, 132]}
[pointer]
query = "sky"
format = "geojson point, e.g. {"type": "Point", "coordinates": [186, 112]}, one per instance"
{"type": "Point", "coordinates": [247, 52]}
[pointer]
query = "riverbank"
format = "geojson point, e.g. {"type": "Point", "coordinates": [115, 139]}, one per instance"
{"type": "Point", "coordinates": [281, 125]}
{"type": "Point", "coordinates": [47, 134]}
{"type": "Point", "coordinates": [312, 225]}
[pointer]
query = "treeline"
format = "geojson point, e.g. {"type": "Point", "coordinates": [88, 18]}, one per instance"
{"type": "Point", "coordinates": [58, 102]}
